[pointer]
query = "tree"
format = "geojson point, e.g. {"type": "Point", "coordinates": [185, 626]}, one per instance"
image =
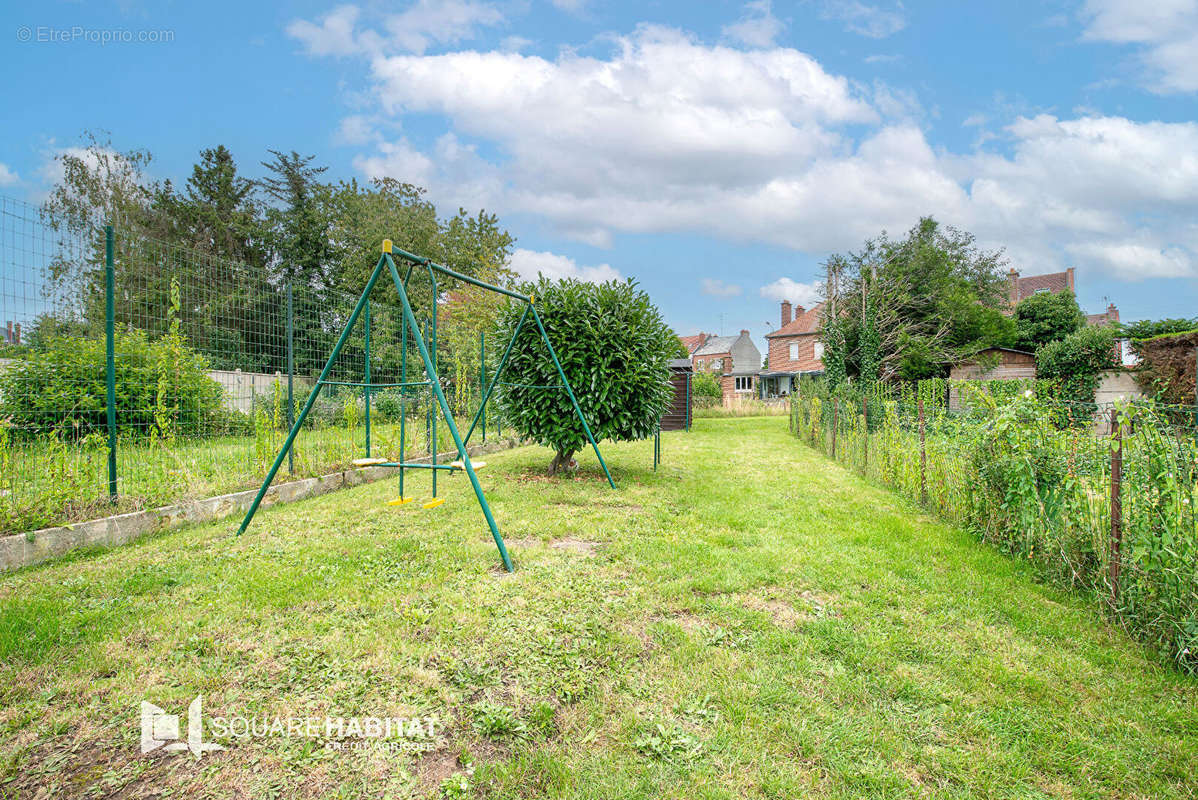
{"type": "Point", "coordinates": [1046, 317]}
{"type": "Point", "coordinates": [614, 348]}
{"type": "Point", "coordinates": [1076, 360]}
{"type": "Point", "coordinates": [905, 307]}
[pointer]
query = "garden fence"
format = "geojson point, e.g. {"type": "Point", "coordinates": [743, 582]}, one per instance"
{"type": "Point", "coordinates": [134, 372]}
{"type": "Point", "coordinates": [1110, 509]}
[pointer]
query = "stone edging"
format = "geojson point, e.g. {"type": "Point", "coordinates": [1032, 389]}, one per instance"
{"type": "Point", "coordinates": [25, 549]}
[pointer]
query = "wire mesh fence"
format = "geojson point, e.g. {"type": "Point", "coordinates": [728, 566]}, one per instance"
{"type": "Point", "coordinates": [211, 360]}
{"type": "Point", "coordinates": [1101, 498]}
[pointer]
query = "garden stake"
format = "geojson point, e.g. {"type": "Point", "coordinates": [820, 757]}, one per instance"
{"type": "Point", "coordinates": [1116, 505]}
{"type": "Point", "coordinates": [923, 458]}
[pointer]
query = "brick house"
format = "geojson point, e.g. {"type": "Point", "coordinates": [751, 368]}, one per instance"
{"type": "Point", "coordinates": [794, 349]}
{"type": "Point", "coordinates": [693, 343]}
{"type": "Point", "coordinates": [735, 360]}
{"type": "Point", "coordinates": [1021, 288]}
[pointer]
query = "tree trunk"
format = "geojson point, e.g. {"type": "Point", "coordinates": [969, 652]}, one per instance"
{"type": "Point", "coordinates": [563, 462]}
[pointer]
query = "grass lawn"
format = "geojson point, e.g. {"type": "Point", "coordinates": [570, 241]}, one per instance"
{"type": "Point", "coordinates": [750, 621]}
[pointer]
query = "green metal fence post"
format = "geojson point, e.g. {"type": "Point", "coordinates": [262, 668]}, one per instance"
{"type": "Point", "coordinates": [366, 388]}
{"type": "Point", "coordinates": [566, 381]}
{"type": "Point", "coordinates": [324, 374]}
{"type": "Point", "coordinates": [498, 372]}
{"type": "Point", "coordinates": [482, 380]}
{"type": "Point", "coordinates": [110, 347]}
{"type": "Point", "coordinates": [290, 373]}
{"type": "Point", "coordinates": [410, 319]}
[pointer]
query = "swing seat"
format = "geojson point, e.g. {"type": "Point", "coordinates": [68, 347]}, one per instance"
{"type": "Point", "coordinates": [459, 464]}
{"type": "Point", "coordinates": [399, 501]}
{"type": "Point", "coordinates": [436, 501]}
{"type": "Point", "coordinates": [368, 462]}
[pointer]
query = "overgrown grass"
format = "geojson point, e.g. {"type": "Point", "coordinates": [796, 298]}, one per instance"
{"type": "Point", "coordinates": [49, 481]}
{"type": "Point", "coordinates": [741, 407]}
{"type": "Point", "coordinates": [751, 620]}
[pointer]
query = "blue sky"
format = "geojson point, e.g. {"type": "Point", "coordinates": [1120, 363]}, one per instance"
{"type": "Point", "coordinates": [716, 151]}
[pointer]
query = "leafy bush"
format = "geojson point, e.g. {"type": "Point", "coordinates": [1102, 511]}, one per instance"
{"type": "Point", "coordinates": [1076, 361]}
{"type": "Point", "coordinates": [704, 384]}
{"type": "Point", "coordinates": [1047, 317]}
{"type": "Point", "coordinates": [162, 388]}
{"type": "Point", "coordinates": [614, 348]}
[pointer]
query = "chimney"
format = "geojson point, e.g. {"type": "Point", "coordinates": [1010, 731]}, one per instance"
{"type": "Point", "coordinates": [1112, 313]}
{"type": "Point", "coordinates": [1013, 289]}
{"type": "Point", "coordinates": [785, 313]}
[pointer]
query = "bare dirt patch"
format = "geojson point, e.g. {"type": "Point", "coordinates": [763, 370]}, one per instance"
{"type": "Point", "coordinates": [580, 546]}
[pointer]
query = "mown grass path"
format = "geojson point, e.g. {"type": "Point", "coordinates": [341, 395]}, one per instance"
{"type": "Point", "coordinates": [750, 621]}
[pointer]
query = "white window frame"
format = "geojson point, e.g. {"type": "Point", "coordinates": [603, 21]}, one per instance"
{"type": "Point", "coordinates": [747, 383]}
{"type": "Point", "coordinates": [794, 351]}
{"type": "Point", "coordinates": [818, 350]}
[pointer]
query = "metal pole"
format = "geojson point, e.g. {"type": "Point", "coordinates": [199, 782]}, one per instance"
{"type": "Point", "coordinates": [688, 400]}
{"type": "Point", "coordinates": [410, 319]}
{"type": "Point", "coordinates": [403, 405]}
{"type": "Point", "coordinates": [324, 373]}
{"type": "Point", "coordinates": [498, 372]}
{"type": "Point", "coordinates": [431, 420]}
{"type": "Point", "coordinates": [562, 374]}
{"type": "Point", "coordinates": [290, 373]}
{"type": "Point", "coordinates": [366, 389]}
{"type": "Point", "coordinates": [656, 448]}
{"type": "Point", "coordinates": [482, 381]}
{"type": "Point", "coordinates": [923, 458]}
{"type": "Point", "coordinates": [110, 348]}
{"type": "Point", "coordinates": [1116, 506]}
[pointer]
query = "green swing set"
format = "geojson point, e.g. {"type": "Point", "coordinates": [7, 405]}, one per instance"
{"type": "Point", "coordinates": [411, 328]}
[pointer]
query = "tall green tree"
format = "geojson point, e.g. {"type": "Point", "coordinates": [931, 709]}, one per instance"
{"type": "Point", "coordinates": [908, 306]}
{"type": "Point", "coordinates": [1046, 317]}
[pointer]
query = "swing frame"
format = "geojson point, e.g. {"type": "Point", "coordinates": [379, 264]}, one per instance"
{"type": "Point", "coordinates": [410, 326]}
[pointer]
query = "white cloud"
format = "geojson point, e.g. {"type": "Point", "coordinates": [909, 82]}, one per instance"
{"type": "Point", "coordinates": [334, 36]}
{"type": "Point", "coordinates": [802, 294]}
{"type": "Point", "coordinates": [8, 177]}
{"type": "Point", "coordinates": [718, 288]}
{"type": "Point", "coordinates": [866, 20]}
{"type": "Point", "coordinates": [423, 24]}
{"type": "Point", "coordinates": [667, 134]}
{"type": "Point", "coordinates": [758, 27]}
{"type": "Point", "coordinates": [1165, 31]}
{"type": "Point", "coordinates": [530, 263]}
{"type": "Point", "coordinates": [355, 130]}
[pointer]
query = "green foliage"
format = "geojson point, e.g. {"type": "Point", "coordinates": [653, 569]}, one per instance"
{"type": "Point", "coordinates": [1008, 470]}
{"type": "Point", "coordinates": [1046, 317]}
{"type": "Point", "coordinates": [705, 384]}
{"type": "Point", "coordinates": [1146, 329]}
{"type": "Point", "coordinates": [614, 348]}
{"type": "Point", "coordinates": [1076, 361]}
{"type": "Point", "coordinates": [162, 388]}
{"type": "Point", "coordinates": [932, 297]}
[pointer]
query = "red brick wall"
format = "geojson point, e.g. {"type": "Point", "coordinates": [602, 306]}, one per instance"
{"type": "Point", "coordinates": [779, 354]}
{"type": "Point", "coordinates": [707, 360]}
{"type": "Point", "coordinates": [728, 384]}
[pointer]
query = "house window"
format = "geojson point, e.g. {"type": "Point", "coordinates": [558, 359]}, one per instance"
{"type": "Point", "coordinates": [794, 351]}
{"type": "Point", "coordinates": [819, 350]}
{"type": "Point", "coordinates": [718, 364]}
{"type": "Point", "coordinates": [744, 383]}
{"type": "Point", "coordinates": [700, 363]}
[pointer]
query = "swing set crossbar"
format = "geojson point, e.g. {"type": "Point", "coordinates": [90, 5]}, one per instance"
{"type": "Point", "coordinates": [412, 329]}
